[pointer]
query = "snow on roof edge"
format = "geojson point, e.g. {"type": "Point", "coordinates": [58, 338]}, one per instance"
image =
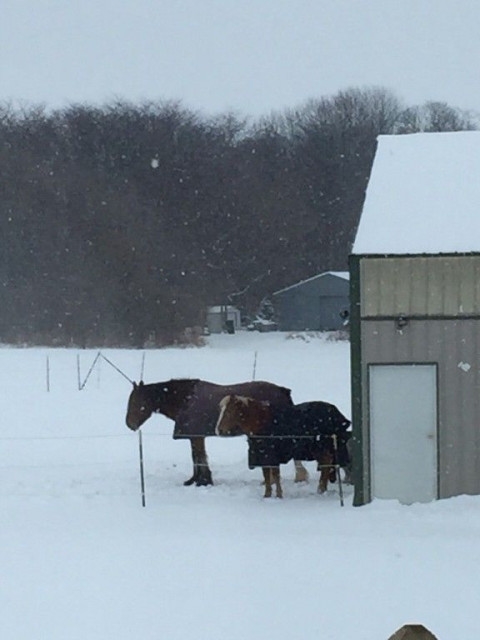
{"type": "Point", "coordinates": [345, 275]}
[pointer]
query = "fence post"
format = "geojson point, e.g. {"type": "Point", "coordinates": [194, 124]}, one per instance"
{"type": "Point", "coordinates": [337, 468]}
{"type": "Point", "coordinates": [254, 366]}
{"type": "Point", "coordinates": [142, 477]}
{"type": "Point", "coordinates": [98, 367]}
{"type": "Point", "coordinates": [82, 386]}
{"type": "Point", "coordinates": [413, 632]}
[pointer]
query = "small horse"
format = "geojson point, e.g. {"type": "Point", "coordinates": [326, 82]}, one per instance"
{"type": "Point", "coordinates": [193, 405]}
{"type": "Point", "coordinates": [307, 431]}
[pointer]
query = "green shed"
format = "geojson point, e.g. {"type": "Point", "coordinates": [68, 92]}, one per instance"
{"type": "Point", "coordinates": [415, 321]}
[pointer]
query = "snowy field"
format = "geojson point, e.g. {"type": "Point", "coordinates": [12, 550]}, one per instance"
{"type": "Point", "coordinates": [82, 560]}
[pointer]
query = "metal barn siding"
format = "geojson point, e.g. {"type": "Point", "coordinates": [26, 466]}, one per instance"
{"type": "Point", "coordinates": [421, 309]}
{"type": "Point", "coordinates": [314, 304]}
{"type": "Point", "coordinates": [420, 286]}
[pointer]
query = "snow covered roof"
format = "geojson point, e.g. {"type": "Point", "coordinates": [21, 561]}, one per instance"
{"type": "Point", "coordinates": [423, 195]}
{"type": "Point", "coordinates": [339, 274]}
{"type": "Point", "coordinates": [345, 275]}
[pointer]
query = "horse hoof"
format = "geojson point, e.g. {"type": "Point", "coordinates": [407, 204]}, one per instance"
{"type": "Point", "coordinates": [188, 483]}
{"type": "Point", "coordinates": [203, 478]}
{"type": "Point", "coordinates": [202, 482]}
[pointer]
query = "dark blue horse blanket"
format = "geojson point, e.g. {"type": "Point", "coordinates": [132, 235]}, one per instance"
{"type": "Point", "coordinates": [300, 432]}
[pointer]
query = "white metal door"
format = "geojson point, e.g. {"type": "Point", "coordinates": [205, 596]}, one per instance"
{"type": "Point", "coordinates": [403, 432]}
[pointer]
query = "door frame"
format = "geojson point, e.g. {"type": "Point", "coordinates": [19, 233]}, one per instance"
{"type": "Point", "coordinates": [370, 365]}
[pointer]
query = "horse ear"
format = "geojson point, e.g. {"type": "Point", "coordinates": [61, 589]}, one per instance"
{"type": "Point", "coordinates": [140, 384]}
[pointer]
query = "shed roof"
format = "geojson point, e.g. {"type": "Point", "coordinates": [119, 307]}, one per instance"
{"type": "Point", "coordinates": [345, 275]}
{"type": "Point", "coordinates": [423, 195]}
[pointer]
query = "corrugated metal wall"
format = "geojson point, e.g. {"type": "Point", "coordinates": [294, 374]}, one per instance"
{"type": "Point", "coordinates": [447, 290]}
{"type": "Point", "coordinates": [453, 344]}
{"type": "Point", "coordinates": [424, 286]}
{"type": "Point", "coordinates": [299, 308]}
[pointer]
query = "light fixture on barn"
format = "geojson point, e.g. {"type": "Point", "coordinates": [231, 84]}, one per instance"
{"type": "Point", "coordinates": [401, 322]}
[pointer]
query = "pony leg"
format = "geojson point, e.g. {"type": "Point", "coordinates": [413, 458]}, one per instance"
{"type": "Point", "coordinates": [267, 475]}
{"type": "Point", "coordinates": [202, 475]}
{"type": "Point", "coordinates": [301, 474]}
{"type": "Point", "coordinates": [276, 480]}
{"type": "Point", "coordinates": [323, 482]}
{"type": "Point", "coordinates": [325, 464]}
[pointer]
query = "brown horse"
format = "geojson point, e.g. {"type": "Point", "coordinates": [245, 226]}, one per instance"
{"type": "Point", "coordinates": [307, 431]}
{"type": "Point", "coordinates": [193, 405]}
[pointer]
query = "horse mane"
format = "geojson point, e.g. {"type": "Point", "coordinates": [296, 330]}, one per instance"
{"type": "Point", "coordinates": [245, 400]}
{"type": "Point", "coordinates": [182, 382]}
{"type": "Point", "coordinates": [223, 402]}
{"type": "Point", "coordinates": [169, 396]}
{"type": "Point", "coordinates": [254, 422]}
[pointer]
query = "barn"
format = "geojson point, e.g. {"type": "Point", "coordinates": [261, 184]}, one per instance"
{"type": "Point", "coordinates": [315, 304]}
{"type": "Point", "coordinates": [415, 321]}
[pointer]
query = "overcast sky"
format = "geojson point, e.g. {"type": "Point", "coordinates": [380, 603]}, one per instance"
{"type": "Point", "coordinates": [251, 56]}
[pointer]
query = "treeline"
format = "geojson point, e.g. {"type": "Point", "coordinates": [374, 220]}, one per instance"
{"type": "Point", "coordinates": [120, 224]}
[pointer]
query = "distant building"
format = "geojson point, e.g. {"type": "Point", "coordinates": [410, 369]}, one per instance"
{"type": "Point", "coordinates": [316, 304]}
{"type": "Point", "coordinates": [223, 318]}
{"type": "Point", "coordinates": [415, 321]}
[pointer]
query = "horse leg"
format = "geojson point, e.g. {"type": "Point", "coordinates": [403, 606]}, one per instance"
{"type": "Point", "coordinates": [202, 475]}
{"type": "Point", "coordinates": [301, 474]}
{"type": "Point", "coordinates": [276, 480]}
{"type": "Point", "coordinates": [323, 482]}
{"type": "Point", "coordinates": [267, 476]}
{"type": "Point", "coordinates": [325, 463]}
{"type": "Point", "coordinates": [332, 476]}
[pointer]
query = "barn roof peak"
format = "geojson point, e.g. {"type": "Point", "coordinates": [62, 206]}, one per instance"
{"type": "Point", "coordinates": [345, 275]}
{"type": "Point", "coordinates": [423, 195]}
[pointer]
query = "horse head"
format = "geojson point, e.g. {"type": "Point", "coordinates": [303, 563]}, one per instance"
{"type": "Point", "coordinates": [167, 397]}
{"type": "Point", "coordinates": [140, 406]}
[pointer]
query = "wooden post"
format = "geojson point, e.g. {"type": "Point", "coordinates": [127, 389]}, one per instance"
{"type": "Point", "coordinates": [48, 373]}
{"type": "Point", "coordinates": [337, 468]}
{"type": "Point", "coordinates": [82, 386]}
{"type": "Point", "coordinates": [98, 367]}
{"type": "Point", "coordinates": [254, 366]}
{"type": "Point", "coordinates": [413, 632]}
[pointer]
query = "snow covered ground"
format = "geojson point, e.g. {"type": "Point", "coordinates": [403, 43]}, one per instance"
{"type": "Point", "coordinates": [81, 559]}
